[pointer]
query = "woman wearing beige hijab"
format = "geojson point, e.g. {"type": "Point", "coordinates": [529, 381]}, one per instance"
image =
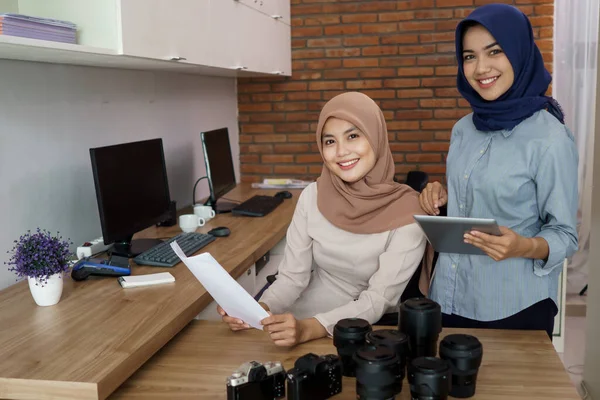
{"type": "Point", "coordinates": [352, 245]}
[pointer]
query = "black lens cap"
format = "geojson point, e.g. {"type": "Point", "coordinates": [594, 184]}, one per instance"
{"type": "Point", "coordinates": [353, 325]}
{"type": "Point", "coordinates": [421, 304]}
{"type": "Point", "coordinates": [461, 342]}
{"type": "Point", "coordinates": [461, 347]}
{"type": "Point", "coordinates": [351, 328]}
{"type": "Point", "coordinates": [387, 336]}
{"type": "Point", "coordinates": [430, 365]}
{"type": "Point", "coordinates": [372, 353]}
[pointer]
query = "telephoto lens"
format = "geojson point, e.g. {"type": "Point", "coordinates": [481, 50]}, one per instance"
{"type": "Point", "coordinates": [421, 320]}
{"type": "Point", "coordinates": [464, 354]}
{"type": "Point", "coordinates": [349, 336]}
{"type": "Point", "coordinates": [378, 373]}
{"type": "Point", "coordinates": [429, 378]}
{"type": "Point", "coordinates": [394, 339]}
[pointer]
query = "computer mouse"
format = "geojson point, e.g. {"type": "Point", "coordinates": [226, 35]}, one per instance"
{"type": "Point", "coordinates": [284, 194]}
{"type": "Point", "coordinates": [220, 231]}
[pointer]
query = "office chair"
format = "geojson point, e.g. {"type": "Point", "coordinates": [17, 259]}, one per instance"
{"type": "Point", "coordinates": [417, 180]}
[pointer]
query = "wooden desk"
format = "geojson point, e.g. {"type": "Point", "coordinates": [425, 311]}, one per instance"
{"type": "Point", "coordinates": [517, 365]}
{"type": "Point", "coordinates": [99, 334]}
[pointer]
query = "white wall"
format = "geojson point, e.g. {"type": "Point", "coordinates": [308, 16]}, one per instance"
{"type": "Point", "coordinates": [50, 115]}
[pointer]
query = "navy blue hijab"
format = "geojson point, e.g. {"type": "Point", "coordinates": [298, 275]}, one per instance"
{"type": "Point", "coordinates": [512, 30]}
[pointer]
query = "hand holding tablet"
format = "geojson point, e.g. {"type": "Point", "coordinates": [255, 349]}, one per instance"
{"type": "Point", "coordinates": [446, 234]}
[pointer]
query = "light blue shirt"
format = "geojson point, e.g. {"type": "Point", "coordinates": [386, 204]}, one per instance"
{"type": "Point", "coordinates": [526, 179]}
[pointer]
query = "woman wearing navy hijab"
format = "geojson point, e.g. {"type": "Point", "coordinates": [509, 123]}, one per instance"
{"type": "Point", "coordinates": [514, 160]}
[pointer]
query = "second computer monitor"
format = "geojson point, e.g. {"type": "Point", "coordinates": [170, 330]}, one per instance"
{"type": "Point", "coordinates": [219, 164]}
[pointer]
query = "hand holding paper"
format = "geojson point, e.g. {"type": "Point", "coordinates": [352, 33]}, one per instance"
{"type": "Point", "coordinates": [223, 288]}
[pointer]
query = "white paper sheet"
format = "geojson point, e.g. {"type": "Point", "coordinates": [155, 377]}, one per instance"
{"type": "Point", "coordinates": [229, 294]}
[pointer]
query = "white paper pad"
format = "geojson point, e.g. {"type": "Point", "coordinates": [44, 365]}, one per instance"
{"type": "Point", "coordinates": [223, 288]}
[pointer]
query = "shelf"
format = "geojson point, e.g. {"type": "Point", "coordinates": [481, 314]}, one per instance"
{"type": "Point", "coordinates": [25, 49]}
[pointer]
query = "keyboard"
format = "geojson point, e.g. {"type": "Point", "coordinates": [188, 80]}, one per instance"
{"type": "Point", "coordinates": [257, 206]}
{"type": "Point", "coordinates": [162, 255]}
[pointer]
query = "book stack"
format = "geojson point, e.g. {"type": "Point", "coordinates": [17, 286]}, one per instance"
{"type": "Point", "coordinates": [38, 28]}
{"type": "Point", "coordinates": [281, 184]}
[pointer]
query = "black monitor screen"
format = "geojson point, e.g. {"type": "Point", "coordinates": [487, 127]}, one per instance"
{"type": "Point", "coordinates": [131, 187]}
{"type": "Point", "coordinates": [219, 162]}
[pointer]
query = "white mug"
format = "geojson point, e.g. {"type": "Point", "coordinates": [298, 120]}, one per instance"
{"type": "Point", "coordinates": [190, 222]}
{"type": "Point", "coordinates": [205, 212]}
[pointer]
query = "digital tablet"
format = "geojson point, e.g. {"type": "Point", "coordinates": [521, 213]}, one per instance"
{"type": "Point", "coordinates": [446, 234]}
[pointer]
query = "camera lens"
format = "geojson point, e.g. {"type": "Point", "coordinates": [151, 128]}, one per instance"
{"type": "Point", "coordinates": [394, 339]}
{"type": "Point", "coordinates": [349, 336]}
{"type": "Point", "coordinates": [429, 378]}
{"type": "Point", "coordinates": [464, 353]}
{"type": "Point", "coordinates": [378, 374]}
{"type": "Point", "coordinates": [421, 320]}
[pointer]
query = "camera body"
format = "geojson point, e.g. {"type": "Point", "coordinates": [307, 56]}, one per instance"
{"type": "Point", "coordinates": [314, 377]}
{"type": "Point", "coordinates": [256, 381]}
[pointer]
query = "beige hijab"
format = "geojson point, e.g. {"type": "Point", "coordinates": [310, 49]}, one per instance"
{"type": "Point", "coordinates": [375, 203]}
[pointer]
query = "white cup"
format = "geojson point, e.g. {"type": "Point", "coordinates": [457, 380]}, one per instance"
{"type": "Point", "coordinates": [205, 212]}
{"type": "Point", "coordinates": [190, 222]}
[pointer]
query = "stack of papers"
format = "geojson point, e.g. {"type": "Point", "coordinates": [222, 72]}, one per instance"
{"type": "Point", "coordinates": [281, 184]}
{"type": "Point", "coordinates": [38, 28]}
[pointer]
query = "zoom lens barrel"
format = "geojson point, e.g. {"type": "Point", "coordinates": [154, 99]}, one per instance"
{"type": "Point", "coordinates": [421, 320]}
{"type": "Point", "coordinates": [378, 373]}
{"type": "Point", "coordinates": [464, 354]}
{"type": "Point", "coordinates": [349, 336]}
{"type": "Point", "coordinates": [394, 339]}
{"type": "Point", "coordinates": [430, 378]}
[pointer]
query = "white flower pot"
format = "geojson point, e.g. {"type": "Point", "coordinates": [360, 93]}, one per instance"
{"type": "Point", "coordinates": [49, 294]}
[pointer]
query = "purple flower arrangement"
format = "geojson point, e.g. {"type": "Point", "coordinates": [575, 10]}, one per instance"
{"type": "Point", "coordinates": [39, 255]}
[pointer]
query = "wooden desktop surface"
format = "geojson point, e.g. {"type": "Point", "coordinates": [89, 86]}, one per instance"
{"type": "Point", "coordinates": [99, 334]}
{"type": "Point", "coordinates": [517, 365]}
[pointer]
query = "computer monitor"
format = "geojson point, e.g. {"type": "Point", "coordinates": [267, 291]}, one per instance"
{"type": "Point", "coordinates": [132, 192]}
{"type": "Point", "coordinates": [219, 167]}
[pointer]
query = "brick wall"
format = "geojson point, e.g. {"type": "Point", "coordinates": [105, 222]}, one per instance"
{"type": "Point", "coordinates": [400, 53]}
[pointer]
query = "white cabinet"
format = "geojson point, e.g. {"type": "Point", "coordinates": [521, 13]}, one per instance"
{"type": "Point", "coordinates": [284, 7]}
{"type": "Point", "coordinates": [283, 53]}
{"type": "Point", "coordinates": [173, 30]}
{"type": "Point", "coordinates": [249, 40]}
{"type": "Point", "coordinates": [219, 37]}
{"type": "Point", "coordinates": [224, 33]}
{"type": "Point", "coordinates": [267, 7]}
{"type": "Point", "coordinates": [277, 9]}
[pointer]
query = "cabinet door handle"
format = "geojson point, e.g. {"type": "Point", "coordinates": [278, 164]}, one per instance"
{"type": "Point", "coordinates": [178, 58]}
{"type": "Point", "coordinates": [240, 67]}
{"type": "Point", "coordinates": [278, 72]}
{"type": "Point", "coordinates": [276, 16]}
